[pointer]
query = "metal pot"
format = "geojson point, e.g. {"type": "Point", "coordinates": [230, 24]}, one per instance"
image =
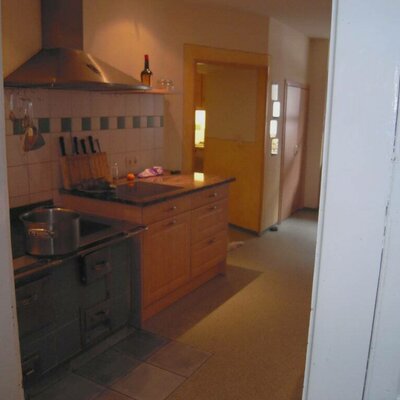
{"type": "Point", "coordinates": [51, 231]}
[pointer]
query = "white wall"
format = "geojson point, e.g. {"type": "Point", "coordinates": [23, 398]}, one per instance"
{"type": "Point", "coordinates": [289, 60]}
{"type": "Point", "coordinates": [122, 35]}
{"type": "Point", "coordinates": [360, 132]}
{"type": "Point", "coordinates": [10, 367]}
{"type": "Point", "coordinates": [317, 80]}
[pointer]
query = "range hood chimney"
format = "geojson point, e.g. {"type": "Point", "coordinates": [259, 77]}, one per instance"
{"type": "Point", "coordinates": [62, 63]}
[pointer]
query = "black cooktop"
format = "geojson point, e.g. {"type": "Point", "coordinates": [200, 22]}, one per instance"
{"type": "Point", "coordinates": [141, 190]}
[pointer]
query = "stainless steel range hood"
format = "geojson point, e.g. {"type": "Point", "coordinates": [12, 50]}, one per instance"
{"type": "Point", "coordinates": [62, 64]}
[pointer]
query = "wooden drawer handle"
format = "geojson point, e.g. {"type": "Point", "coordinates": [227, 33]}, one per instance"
{"type": "Point", "coordinates": [213, 208]}
{"type": "Point", "coordinates": [215, 194]}
{"type": "Point", "coordinates": [173, 208]}
{"type": "Point", "coordinates": [173, 222]}
{"type": "Point", "coordinates": [212, 241]}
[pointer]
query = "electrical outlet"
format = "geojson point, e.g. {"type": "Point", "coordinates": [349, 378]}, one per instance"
{"type": "Point", "coordinates": [130, 162]}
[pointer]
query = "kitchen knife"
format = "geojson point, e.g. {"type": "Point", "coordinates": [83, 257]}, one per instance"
{"type": "Point", "coordinates": [62, 146]}
{"type": "Point", "coordinates": [98, 145]}
{"type": "Point", "coordinates": [83, 144]}
{"type": "Point", "coordinates": [91, 143]}
{"type": "Point", "coordinates": [76, 147]}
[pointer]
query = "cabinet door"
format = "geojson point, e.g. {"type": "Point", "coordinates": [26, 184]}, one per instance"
{"type": "Point", "coordinates": [166, 257]}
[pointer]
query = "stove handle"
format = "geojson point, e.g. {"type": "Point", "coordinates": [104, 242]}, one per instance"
{"type": "Point", "coordinates": [126, 235]}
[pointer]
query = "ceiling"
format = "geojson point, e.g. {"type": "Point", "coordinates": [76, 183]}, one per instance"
{"type": "Point", "coordinates": [312, 17]}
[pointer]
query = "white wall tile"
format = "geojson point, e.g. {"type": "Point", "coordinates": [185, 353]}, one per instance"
{"type": "Point", "coordinates": [81, 104]}
{"type": "Point", "coordinates": [147, 139]}
{"type": "Point", "coordinates": [57, 181]}
{"type": "Point", "coordinates": [95, 123]}
{"type": "Point", "coordinates": [133, 140]}
{"type": "Point", "coordinates": [147, 159]}
{"type": "Point", "coordinates": [18, 201]}
{"type": "Point", "coordinates": [55, 125]}
{"type": "Point", "coordinates": [9, 127]}
{"type": "Point", "coordinates": [60, 103]}
{"type": "Point", "coordinates": [76, 124]}
{"type": "Point", "coordinates": [146, 102]}
{"type": "Point", "coordinates": [112, 123]}
{"type": "Point", "coordinates": [40, 177]}
{"type": "Point", "coordinates": [100, 105]}
{"type": "Point", "coordinates": [18, 180]}
{"type": "Point", "coordinates": [128, 122]}
{"type": "Point", "coordinates": [15, 153]}
{"type": "Point", "coordinates": [132, 104]}
{"type": "Point", "coordinates": [158, 138]}
{"type": "Point", "coordinates": [159, 157]}
{"type": "Point", "coordinates": [117, 142]}
{"type": "Point", "coordinates": [116, 105]}
{"type": "Point", "coordinates": [40, 102]}
{"type": "Point", "coordinates": [158, 105]}
{"type": "Point", "coordinates": [41, 196]}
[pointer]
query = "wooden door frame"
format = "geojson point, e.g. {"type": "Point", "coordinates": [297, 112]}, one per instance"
{"type": "Point", "coordinates": [291, 83]}
{"type": "Point", "coordinates": [196, 53]}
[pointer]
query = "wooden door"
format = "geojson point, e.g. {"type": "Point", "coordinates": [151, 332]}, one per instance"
{"type": "Point", "coordinates": [166, 257]}
{"type": "Point", "coordinates": [293, 150]}
{"type": "Point", "coordinates": [234, 99]}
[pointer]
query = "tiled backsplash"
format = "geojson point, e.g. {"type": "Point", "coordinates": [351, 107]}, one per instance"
{"type": "Point", "coordinates": [128, 126]}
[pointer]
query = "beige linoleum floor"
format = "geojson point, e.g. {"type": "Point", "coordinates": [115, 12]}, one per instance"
{"type": "Point", "coordinates": [254, 321]}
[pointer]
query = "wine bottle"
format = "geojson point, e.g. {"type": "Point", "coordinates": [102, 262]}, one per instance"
{"type": "Point", "coordinates": [146, 74]}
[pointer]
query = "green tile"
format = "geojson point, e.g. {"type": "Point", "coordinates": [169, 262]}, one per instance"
{"type": "Point", "coordinates": [66, 124]}
{"type": "Point", "coordinates": [150, 122]}
{"type": "Point", "coordinates": [17, 127]}
{"type": "Point", "coordinates": [86, 124]}
{"type": "Point", "coordinates": [44, 125]}
{"type": "Point", "coordinates": [161, 121]}
{"type": "Point", "coordinates": [136, 122]}
{"type": "Point", "coordinates": [104, 123]}
{"type": "Point", "coordinates": [121, 122]}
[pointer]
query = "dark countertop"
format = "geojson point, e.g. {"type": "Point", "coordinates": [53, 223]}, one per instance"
{"type": "Point", "coordinates": [94, 231]}
{"type": "Point", "coordinates": [147, 191]}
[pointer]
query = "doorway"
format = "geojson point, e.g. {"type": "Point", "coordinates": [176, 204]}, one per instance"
{"type": "Point", "coordinates": [226, 89]}
{"type": "Point", "coordinates": [293, 149]}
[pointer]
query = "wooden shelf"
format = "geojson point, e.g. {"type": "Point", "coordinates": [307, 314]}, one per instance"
{"type": "Point", "coordinates": [151, 91]}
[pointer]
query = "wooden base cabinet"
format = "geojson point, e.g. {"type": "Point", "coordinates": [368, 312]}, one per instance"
{"type": "Point", "coordinates": [184, 247]}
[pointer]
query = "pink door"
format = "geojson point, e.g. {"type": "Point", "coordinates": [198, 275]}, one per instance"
{"type": "Point", "coordinates": [294, 124]}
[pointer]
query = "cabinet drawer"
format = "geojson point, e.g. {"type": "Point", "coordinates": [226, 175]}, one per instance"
{"type": "Point", "coordinates": [166, 209]}
{"type": "Point", "coordinates": [209, 195]}
{"type": "Point", "coordinates": [209, 219]}
{"type": "Point", "coordinates": [208, 253]}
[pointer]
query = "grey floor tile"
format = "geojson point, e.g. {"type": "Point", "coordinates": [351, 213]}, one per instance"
{"type": "Point", "coordinates": [147, 382]}
{"type": "Point", "coordinates": [107, 367]}
{"type": "Point", "coordinates": [141, 344]}
{"type": "Point", "coordinates": [111, 395]}
{"type": "Point", "coordinates": [72, 387]}
{"type": "Point", "coordinates": [179, 358]}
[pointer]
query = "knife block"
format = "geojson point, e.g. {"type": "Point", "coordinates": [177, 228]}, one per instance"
{"type": "Point", "coordinates": [78, 168]}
